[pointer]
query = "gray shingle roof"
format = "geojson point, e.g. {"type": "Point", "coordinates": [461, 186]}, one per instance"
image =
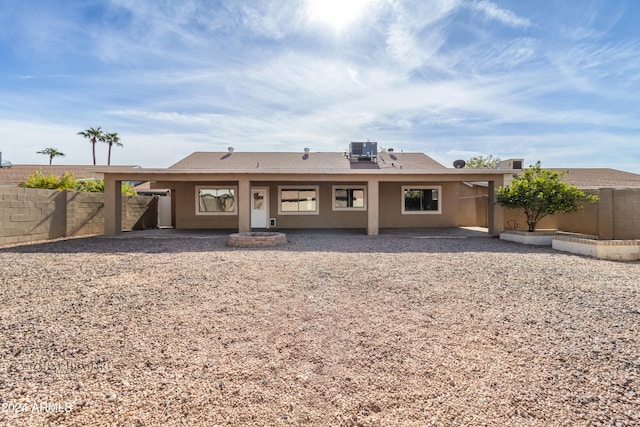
{"type": "Point", "coordinates": [312, 162]}
{"type": "Point", "coordinates": [599, 177]}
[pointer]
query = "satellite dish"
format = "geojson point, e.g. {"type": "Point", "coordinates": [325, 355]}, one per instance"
{"type": "Point", "coordinates": [459, 164]}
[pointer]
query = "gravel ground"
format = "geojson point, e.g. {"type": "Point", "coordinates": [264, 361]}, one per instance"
{"type": "Point", "coordinates": [344, 330]}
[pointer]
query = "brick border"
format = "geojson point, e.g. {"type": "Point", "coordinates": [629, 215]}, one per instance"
{"type": "Point", "coordinates": [257, 239]}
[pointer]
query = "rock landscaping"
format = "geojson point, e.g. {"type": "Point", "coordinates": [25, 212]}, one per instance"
{"type": "Point", "coordinates": [328, 330]}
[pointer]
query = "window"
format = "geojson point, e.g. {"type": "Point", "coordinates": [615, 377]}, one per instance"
{"type": "Point", "coordinates": [298, 200]}
{"type": "Point", "coordinates": [215, 201]}
{"type": "Point", "coordinates": [349, 198]}
{"type": "Point", "coordinates": [421, 200]}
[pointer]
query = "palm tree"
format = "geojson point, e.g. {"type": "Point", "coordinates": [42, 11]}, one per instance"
{"type": "Point", "coordinates": [93, 135]}
{"type": "Point", "coordinates": [111, 139]}
{"type": "Point", "coordinates": [51, 152]}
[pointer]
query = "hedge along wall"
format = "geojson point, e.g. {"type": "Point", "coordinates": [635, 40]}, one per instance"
{"type": "Point", "coordinates": [29, 214]}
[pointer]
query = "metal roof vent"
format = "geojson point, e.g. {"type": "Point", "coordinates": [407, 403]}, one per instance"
{"type": "Point", "coordinates": [4, 165]}
{"type": "Point", "coordinates": [230, 150]}
{"type": "Point", "coordinates": [306, 151]}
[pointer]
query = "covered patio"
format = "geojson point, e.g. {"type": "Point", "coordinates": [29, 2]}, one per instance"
{"type": "Point", "coordinates": [370, 180]}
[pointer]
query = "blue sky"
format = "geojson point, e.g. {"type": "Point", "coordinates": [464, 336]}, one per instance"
{"type": "Point", "coordinates": [556, 81]}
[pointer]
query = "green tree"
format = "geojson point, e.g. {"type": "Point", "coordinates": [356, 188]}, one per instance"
{"type": "Point", "coordinates": [540, 192]}
{"type": "Point", "coordinates": [111, 139]}
{"type": "Point", "coordinates": [479, 162]}
{"type": "Point", "coordinates": [51, 152]}
{"type": "Point", "coordinates": [93, 135]}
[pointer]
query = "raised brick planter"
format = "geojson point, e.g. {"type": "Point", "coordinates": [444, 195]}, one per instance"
{"type": "Point", "coordinates": [618, 250]}
{"type": "Point", "coordinates": [541, 237]}
{"type": "Point", "coordinates": [257, 239]}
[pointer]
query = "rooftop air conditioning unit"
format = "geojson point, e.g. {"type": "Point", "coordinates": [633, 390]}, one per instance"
{"type": "Point", "coordinates": [363, 151]}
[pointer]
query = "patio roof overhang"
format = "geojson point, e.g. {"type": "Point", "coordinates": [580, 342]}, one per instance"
{"type": "Point", "coordinates": [443, 175]}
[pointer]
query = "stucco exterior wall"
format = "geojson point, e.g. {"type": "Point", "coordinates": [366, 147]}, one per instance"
{"type": "Point", "coordinates": [390, 207]}
{"type": "Point", "coordinates": [185, 206]}
{"type": "Point", "coordinates": [326, 218]}
{"type": "Point", "coordinates": [186, 218]}
{"type": "Point", "coordinates": [29, 214]}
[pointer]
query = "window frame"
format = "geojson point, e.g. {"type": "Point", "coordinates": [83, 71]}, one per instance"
{"type": "Point", "coordinates": [404, 188]}
{"type": "Point", "coordinates": [315, 188]}
{"type": "Point", "coordinates": [217, 187]}
{"type": "Point", "coordinates": [348, 187]}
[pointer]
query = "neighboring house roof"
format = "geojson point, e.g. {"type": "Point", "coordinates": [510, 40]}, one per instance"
{"type": "Point", "coordinates": [311, 162]}
{"type": "Point", "coordinates": [593, 178]}
{"type": "Point", "coordinates": [19, 173]}
{"type": "Point", "coordinates": [599, 177]}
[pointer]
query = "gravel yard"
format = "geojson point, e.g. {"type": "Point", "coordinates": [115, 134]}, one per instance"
{"type": "Point", "coordinates": [331, 329]}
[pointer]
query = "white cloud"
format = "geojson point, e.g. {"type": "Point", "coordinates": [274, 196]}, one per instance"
{"type": "Point", "coordinates": [492, 11]}
{"type": "Point", "coordinates": [197, 75]}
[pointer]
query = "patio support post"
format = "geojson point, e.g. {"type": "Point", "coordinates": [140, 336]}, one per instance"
{"type": "Point", "coordinates": [244, 205]}
{"type": "Point", "coordinates": [373, 197]}
{"type": "Point", "coordinates": [495, 215]}
{"type": "Point", "coordinates": [112, 206]}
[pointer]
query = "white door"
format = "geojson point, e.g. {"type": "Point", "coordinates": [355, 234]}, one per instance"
{"type": "Point", "coordinates": [164, 211]}
{"type": "Point", "coordinates": [259, 208]}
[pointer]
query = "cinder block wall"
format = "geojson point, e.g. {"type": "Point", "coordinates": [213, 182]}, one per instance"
{"type": "Point", "coordinates": [626, 213]}
{"type": "Point", "coordinates": [615, 216]}
{"type": "Point", "coordinates": [29, 214]}
{"type": "Point", "coordinates": [585, 220]}
{"type": "Point", "coordinates": [85, 213]}
{"type": "Point", "coordinates": [139, 212]}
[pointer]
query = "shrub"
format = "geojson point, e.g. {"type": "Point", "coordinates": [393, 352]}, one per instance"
{"type": "Point", "coordinates": [68, 182]}
{"type": "Point", "coordinates": [51, 182]}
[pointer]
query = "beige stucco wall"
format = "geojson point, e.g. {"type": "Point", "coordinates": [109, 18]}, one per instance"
{"type": "Point", "coordinates": [185, 206]}
{"type": "Point", "coordinates": [327, 217]}
{"type": "Point", "coordinates": [29, 214]}
{"type": "Point", "coordinates": [472, 211]}
{"type": "Point", "coordinates": [389, 208]}
{"type": "Point", "coordinates": [186, 218]}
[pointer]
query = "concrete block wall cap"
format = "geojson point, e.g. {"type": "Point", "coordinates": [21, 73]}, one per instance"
{"type": "Point", "coordinates": [532, 233]}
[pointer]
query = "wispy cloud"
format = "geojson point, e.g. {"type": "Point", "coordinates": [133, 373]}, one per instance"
{"type": "Point", "coordinates": [447, 77]}
{"type": "Point", "coordinates": [505, 16]}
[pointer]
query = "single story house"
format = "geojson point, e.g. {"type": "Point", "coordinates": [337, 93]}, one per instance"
{"type": "Point", "coordinates": [360, 188]}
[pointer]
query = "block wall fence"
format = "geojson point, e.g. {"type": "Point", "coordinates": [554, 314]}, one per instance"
{"type": "Point", "coordinates": [29, 214]}
{"type": "Point", "coordinates": [616, 216]}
